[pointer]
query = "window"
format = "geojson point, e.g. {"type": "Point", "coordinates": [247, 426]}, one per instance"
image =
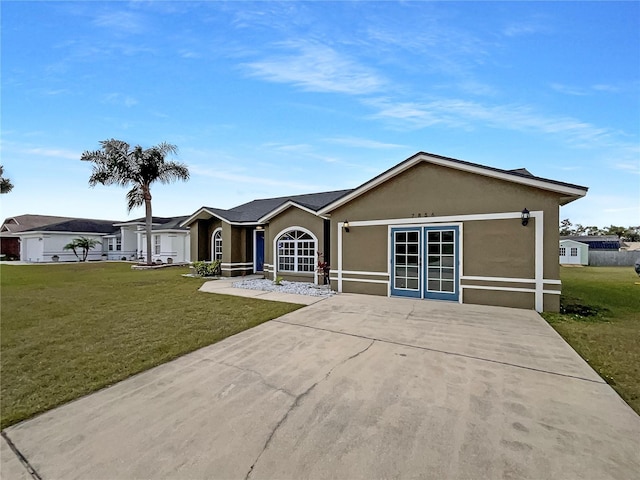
{"type": "Point", "coordinates": [217, 244]}
{"type": "Point", "coordinates": [114, 244]}
{"type": "Point", "coordinates": [574, 251]}
{"type": "Point", "coordinates": [563, 251]}
{"type": "Point", "coordinates": [296, 252]}
{"type": "Point", "coordinates": [156, 244]}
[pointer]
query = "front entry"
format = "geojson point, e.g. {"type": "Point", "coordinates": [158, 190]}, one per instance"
{"type": "Point", "coordinates": [434, 278]}
{"type": "Point", "coordinates": [258, 262]}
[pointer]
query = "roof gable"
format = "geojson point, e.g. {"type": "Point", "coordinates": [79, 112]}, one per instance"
{"type": "Point", "coordinates": [521, 176]}
{"type": "Point", "coordinates": [256, 210]}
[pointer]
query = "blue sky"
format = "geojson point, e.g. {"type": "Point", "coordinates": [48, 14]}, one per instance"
{"type": "Point", "coordinates": [267, 99]}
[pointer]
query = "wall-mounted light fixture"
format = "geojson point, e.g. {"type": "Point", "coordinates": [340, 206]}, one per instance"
{"type": "Point", "coordinates": [259, 227]}
{"type": "Point", "coordinates": [346, 226]}
{"type": "Point", "coordinates": [525, 217]}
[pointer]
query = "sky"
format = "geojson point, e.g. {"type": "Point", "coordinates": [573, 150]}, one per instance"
{"type": "Point", "coordinates": [267, 99]}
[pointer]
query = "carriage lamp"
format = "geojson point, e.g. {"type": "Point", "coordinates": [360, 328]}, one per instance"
{"type": "Point", "coordinates": [346, 226]}
{"type": "Point", "coordinates": [525, 217]}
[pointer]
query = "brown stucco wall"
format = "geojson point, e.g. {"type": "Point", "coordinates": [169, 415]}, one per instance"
{"type": "Point", "coordinates": [289, 218]}
{"type": "Point", "coordinates": [496, 248]}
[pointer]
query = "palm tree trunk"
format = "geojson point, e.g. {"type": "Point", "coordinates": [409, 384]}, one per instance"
{"type": "Point", "coordinates": [148, 218]}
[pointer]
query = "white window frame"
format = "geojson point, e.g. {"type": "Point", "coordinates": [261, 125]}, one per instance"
{"type": "Point", "coordinates": [157, 243]}
{"type": "Point", "coordinates": [216, 244]}
{"type": "Point", "coordinates": [574, 251]}
{"type": "Point", "coordinates": [118, 244]}
{"type": "Point", "coordinates": [313, 248]}
{"type": "Point", "coordinates": [563, 251]}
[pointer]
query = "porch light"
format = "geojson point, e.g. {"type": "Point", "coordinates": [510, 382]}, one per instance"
{"type": "Point", "coordinates": [259, 227]}
{"type": "Point", "coordinates": [346, 226]}
{"type": "Point", "coordinates": [525, 217]}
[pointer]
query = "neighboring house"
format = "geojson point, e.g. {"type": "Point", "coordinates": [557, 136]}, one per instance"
{"type": "Point", "coordinates": [10, 241]}
{"type": "Point", "coordinates": [118, 240]}
{"type": "Point", "coordinates": [597, 242]}
{"type": "Point", "coordinates": [630, 246]}
{"type": "Point", "coordinates": [431, 227]}
{"type": "Point", "coordinates": [573, 253]}
{"type": "Point", "coordinates": [41, 244]}
{"type": "Point", "coordinates": [169, 242]}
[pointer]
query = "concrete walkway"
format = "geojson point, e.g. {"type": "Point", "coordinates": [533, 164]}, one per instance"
{"type": "Point", "coordinates": [353, 387]}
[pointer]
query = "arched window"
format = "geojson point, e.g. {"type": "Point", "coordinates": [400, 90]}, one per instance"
{"type": "Point", "coordinates": [296, 252]}
{"type": "Point", "coordinates": [216, 245]}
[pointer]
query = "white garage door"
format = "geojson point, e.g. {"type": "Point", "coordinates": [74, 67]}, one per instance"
{"type": "Point", "coordinates": [33, 250]}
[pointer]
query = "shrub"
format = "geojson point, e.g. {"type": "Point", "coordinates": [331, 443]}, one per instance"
{"type": "Point", "coordinates": [207, 269]}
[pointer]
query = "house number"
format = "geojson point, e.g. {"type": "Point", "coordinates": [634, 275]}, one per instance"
{"type": "Point", "coordinates": [420, 215]}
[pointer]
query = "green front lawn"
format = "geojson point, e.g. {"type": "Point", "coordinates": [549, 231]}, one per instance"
{"type": "Point", "coordinates": [607, 332]}
{"type": "Point", "coordinates": [70, 329]}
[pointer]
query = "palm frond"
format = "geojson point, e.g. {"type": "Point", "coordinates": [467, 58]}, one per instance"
{"type": "Point", "coordinates": [135, 197]}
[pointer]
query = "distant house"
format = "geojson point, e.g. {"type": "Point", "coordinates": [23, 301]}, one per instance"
{"type": "Point", "coordinates": [10, 241]}
{"type": "Point", "coordinates": [41, 244]}
{"type": "Point", "coordinates": [40, 238]}
{"type": "Point", "coordinates": [630, 246]}
{"type": "Point", "coordinates": [573, 253]}
{"type": "Point", "coordinates": [170, 242]}
{"type": "Point", "coordinates": [597, 242]}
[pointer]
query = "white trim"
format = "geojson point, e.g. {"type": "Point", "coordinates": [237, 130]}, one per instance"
{"type": "Point", "coordinates": [213, 245]}
{"type": "Point", "coordinates": [357, 272]}
{"type": "Point", "coordinates": [508, 280]}
{"type": "Point", "coordinates": [276, 211]}
{"type": "Point", "coordinates": [509, 289]}
{"type": "Point", "coordinates": [234, 269]}
{"type": "Point", "coordinates": [232, 264]}
{"type": "Point", "coordinates": [340, 229]}
{"type": "Point", "coordinates": [363, 280]}
{"type": "Point", "coordinates": [499, 279]}
{"type": "Point", "coordinates": [539, 258]}
{"type": "Point", "coordinates": [457, 165]}
{"type": "Point", "coordinates": [275, 250]}
{"type": "Point", "coordinates": [423, 221]}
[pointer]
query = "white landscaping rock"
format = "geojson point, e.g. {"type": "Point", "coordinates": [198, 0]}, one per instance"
{"type": "Point", "coordinates": [298, 288]}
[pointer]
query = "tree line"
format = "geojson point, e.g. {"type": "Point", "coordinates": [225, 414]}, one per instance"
{"type": "Point", "coordinates": [627, 234]}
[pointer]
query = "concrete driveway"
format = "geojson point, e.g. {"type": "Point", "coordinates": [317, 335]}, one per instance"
{"type": "Point", "coordinates": [352, 387]}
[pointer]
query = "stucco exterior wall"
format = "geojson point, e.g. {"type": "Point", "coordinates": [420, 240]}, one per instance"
{"type": "Point", "coordinates": [40, 247]}
{"type": "Point", "coordinates": [288, 220]}
{"type": "Point", "coordinates": [490, 248]}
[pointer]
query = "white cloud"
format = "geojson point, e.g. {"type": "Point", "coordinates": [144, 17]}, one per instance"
{"type": "Point", "coordinates": [319, 68]}
{"type": "Point", "coordinates": [253, 180]}
{"type": "Point", "coordinates": [356, 142]}
{"type": "Point", "coordinates": [120, 99]}
{"type": "Point", "coordinates": [127, 22]}
{"type": "Point", "coordinates": [629, 167]}
{"type": "Point", "coordinates": [469, 114]}
{"type": "Point", "coordinates": [53, 152]}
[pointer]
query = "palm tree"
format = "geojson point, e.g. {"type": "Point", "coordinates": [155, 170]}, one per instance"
{"type": "Point", "coordinates": [5, 184]}
{"type": "Point", "coordinates": [117, 163]}
{"type": "Point", "coordinates": [84, 243]}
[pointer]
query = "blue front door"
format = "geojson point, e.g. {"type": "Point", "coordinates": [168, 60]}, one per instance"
{"type": "Point", "coordinates": [259, 260]}
{"type": "Point", "coordinates": [424, 262]}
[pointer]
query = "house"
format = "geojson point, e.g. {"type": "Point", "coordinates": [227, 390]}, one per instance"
{"type": "Point", "coordinates": [573, 253]}
{"type": "Point", "coordinates": [170, 241]}
{"type": "Point", "coordinates": [245, 237]}
{"type": "Point", "coordinates": [118, 240]}
{"type": "Point", "coordinates": [10, 241]}
{"type": "Point", "coordinates": [431, 227]}
{"type": "Point", "coordinates": [41, 244]}
{"type": "Point", "coordinates": [597, 242]}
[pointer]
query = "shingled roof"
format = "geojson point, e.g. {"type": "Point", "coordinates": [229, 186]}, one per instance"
{"type": "Point", "coordinates": [20, 223]}
{"type": "Point", "coordinates": [253, 211]}
{"type": "Point", "coordinates": [79, 225]}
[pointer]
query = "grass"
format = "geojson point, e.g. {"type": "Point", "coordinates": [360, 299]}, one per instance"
{"type": "Point", "coordinates": [71, 329]}
{"type": "Point", "coordinates": [602, 323]}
